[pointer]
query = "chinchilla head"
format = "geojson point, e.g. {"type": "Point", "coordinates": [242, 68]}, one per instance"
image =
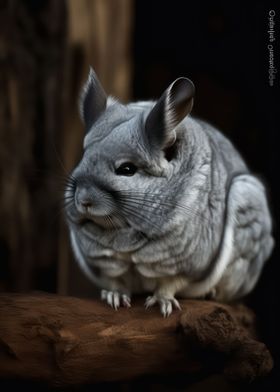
{"type": "Point", "coordinates": [126, 174]}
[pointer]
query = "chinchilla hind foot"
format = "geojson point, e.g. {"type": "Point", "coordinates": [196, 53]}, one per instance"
{"type": "Point", "coordinates": [166, 304]}
{"type": "Point", "coordinates": [116, 299]}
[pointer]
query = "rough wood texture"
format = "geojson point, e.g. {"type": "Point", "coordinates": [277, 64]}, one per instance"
{"type": "Point", "coordinates": [67, 341]}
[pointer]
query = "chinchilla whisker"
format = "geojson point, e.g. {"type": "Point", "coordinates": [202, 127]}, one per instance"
{"type": "Point", "coordinates": [69, 189]}
{"type": "Point", "coordinates": [49, 174]}
{"type": "Point", "coordinates": [61, 187]}
{"type": "Point", "coordinates": [149, 204]}
{"type": "Point", "coordinates": [119, 218]}
{"type": "Point", "coordinates": [152, 211]}
{"type": "Point", "coordinates": [65, 177]}
{"type": "Point", "coordinates": [142, 217]}
{"type": "Point", "coordinates": [107, 220]}
{"type": "Point", "coordinates": [132, 211]}
{"type": "Point", "coordinates": [68, 196]}
{"type": "Point", "coordinates": [60, 211]}
{"type": "Point", "coordinates": [111, 222]}
{"type": "Point", "coordinates": [67, 183]}
{"type": "Point", "coordinates": [68, 193]}
{"type": "Point", "coordinates": [147, 207]}
{"type": "Point", "coordinates": [69, 186]}
{"type": "Point", "coordinates": [63, 200]}
{"type": "Point", "coordinates": [67, 203]}
{"type": "Point", "coordinates": [163, 205]}
{"type": "Point", "coordinates": [188, 210]}
{"type": "Point", "coordinates": [66, 199]}
{"type": "Point", "coordinates": [150, 196]}
{"type": "Point", "coordinates": [70, 178]}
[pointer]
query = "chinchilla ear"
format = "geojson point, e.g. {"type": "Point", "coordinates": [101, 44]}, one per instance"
{"type": "Point", "coordinates": [172, 107]}
{"type": "Point", "coordinates": [93, 100]}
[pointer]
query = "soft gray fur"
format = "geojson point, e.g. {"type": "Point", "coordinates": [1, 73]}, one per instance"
{"type": "Point", "coordinates": [192, 221]}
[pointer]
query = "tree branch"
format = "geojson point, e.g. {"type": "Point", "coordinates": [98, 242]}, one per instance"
{"type": "Point", "coordinates": [67, 341]}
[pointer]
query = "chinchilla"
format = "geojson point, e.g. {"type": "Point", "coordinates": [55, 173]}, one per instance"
{"type": "Point", "coordinates": [162, 203]}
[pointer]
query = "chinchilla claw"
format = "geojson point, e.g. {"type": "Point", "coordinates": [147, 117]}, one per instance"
{"type": "Point", "coordinates": [115, 299]}
{"type": "Point", "coordinates": [166, 304]}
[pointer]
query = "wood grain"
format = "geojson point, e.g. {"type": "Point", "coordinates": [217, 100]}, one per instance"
{"type": "Point", "coordinates": [66, 341]}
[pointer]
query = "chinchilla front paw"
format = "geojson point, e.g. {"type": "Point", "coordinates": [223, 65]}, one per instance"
{"type": "Point", "coordinates": [115, 299]}
{"type": "Point", "coordinates": [166, 304]}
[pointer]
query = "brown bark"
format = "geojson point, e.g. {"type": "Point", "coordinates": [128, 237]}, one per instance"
{"type": "Point", "coordinates": [66, 341]}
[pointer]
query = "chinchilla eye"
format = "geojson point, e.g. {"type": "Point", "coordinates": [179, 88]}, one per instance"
{"type": "Point", "coordinates": [126, 169]}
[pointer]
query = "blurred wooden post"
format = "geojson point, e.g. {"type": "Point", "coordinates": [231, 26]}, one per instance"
{"type": "Point", "coordinates": [32, 54]}
{"type": "Point", "coordinates": [99, 34]}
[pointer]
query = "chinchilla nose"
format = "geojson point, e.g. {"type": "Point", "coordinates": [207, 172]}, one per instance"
{"type": "Point", "coordinates": [83, 198]}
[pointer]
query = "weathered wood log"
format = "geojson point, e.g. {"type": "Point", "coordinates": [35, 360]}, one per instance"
{"type": "Point", "coordinates": [66, 341]}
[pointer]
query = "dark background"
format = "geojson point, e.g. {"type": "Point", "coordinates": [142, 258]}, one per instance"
{"type": "Point", "coordinates": [221, 46]}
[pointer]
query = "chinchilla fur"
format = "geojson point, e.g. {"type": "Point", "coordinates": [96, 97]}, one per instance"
{"type": "Point", "coordinates": [162, 203]}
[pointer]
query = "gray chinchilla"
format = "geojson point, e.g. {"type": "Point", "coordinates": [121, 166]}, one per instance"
{"type": "Point", "coordinates": [162, 203]}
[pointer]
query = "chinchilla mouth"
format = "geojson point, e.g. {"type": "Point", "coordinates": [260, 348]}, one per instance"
{"type": "Point", "coordinates": [105, 221]}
